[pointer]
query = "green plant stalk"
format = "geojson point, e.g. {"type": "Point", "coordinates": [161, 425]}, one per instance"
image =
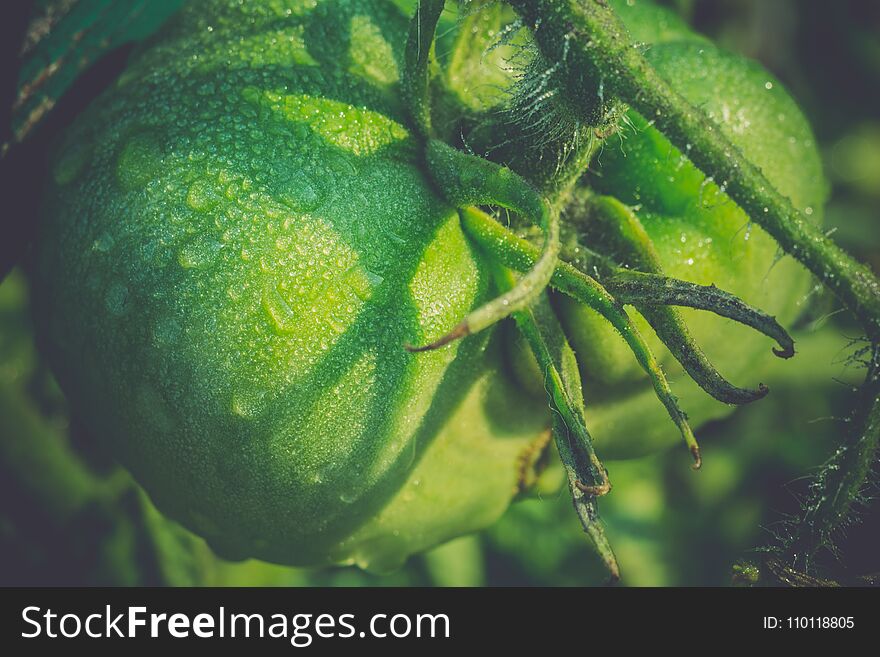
{"type": "Point", "coordinates": [415, 84]}
{"type": "Point", "coordinates": [629, 287]}
{"type": "Point", "coordinates": [841, 482]}
{"type": "Point", "coordinates": [520, 255]}
{"type": "Point", "coordinates": [578, 159]}
{"type": "Point", "coordinates": [592, 45]}
{"type": "Point", "coordinates": [465, 180]}
{"type": "Point", "coordinates": [625, 286]}
{"type": "Point", "coordinates": [634, 287]}
{"type": "Point", "coordinates": [587, 478]}
{"type": "Point", "coordinates": [617, 226]}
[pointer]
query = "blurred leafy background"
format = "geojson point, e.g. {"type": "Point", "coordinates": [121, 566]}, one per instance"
{"type": "Point", "coordinates": [69, 515]}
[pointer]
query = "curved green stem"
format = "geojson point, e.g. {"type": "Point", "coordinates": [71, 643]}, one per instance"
{"type": "Point", "coordinates": [518, 254]}
{"type": "Point", "coordinates": [617, 227]}
{"type": "Point", "coordinates": [592, 44]}
{"type": "Point", "coordinates": [635, 287]}
{"type": "Point", "coordinates": [464, 179]}
{"type": "Point", "coordinates": [468, 180]}
{"type": "Point", "coordinates": [415, 83]}
{"type": "Point", "coordinates": [587, 477]}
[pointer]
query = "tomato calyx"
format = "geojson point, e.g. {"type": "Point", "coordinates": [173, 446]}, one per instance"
{"type": "Point", "coordinates": [468, 180]}
{"type": "Point", "coordinates": [623, 266]}
{"type": "Point", "coordinates": [606, 221]}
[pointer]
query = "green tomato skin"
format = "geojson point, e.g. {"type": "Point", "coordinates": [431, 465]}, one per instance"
{"type": "Point", "coordinates": [700, 236]}
{"type": "Point", "coordinates": [237, 242]}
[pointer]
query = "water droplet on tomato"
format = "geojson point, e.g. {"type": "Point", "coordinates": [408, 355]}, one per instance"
{"type": "Point", "coordinates": [198, 253]}
{"type": "Point", "coordinates": [298, 192]}
{"type": "Point", "coordinates": [249, 402]}
{"type": "Point", "coordinates": [279, 312]}
{"type": "Point", "coordinates": [202, 196]}
{"type": "Point", "coordinates": [72, 163]}
{"type": "Point", "coordinates": [116, 298]}
{"type": "Point", "coordinates": [341, 164]}
{"type": "Point", "coordinates": [140, 161]}
{"type": "Point", "coordinates": [104, 243]}
{"type": "Point", "coordinates": [167, 331]}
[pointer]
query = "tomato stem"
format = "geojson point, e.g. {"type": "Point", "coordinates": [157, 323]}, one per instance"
{"type": "Point", "coordinates": [591, 43]}
{"type": "Point", "coordinates": [520, 255]}
{"type": "Point", "coordinates": [465, 180]}
{"type": "Point", "coordinates": [610, 222]}
{"type": "Point", "coordinates": [587, 477]}
{"type": "Point", "coordinates": [415, 83]}
{"type": "Point", "coordinates": [634, 287]}
{"type": "Point", "coordinates": [839, 488]}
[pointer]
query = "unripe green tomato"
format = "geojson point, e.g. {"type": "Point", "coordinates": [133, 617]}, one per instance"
{"type": "Point", "coordinates": [649, 23]}
{"type": "Point", "coordinates": [700, 235]}
{"type": "Point", "coordinates": [482, 56]}
{"type": "Point", "coordinates": [237, 242]}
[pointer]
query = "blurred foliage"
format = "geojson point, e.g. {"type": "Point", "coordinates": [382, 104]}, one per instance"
{"type": "Point", "coordinates": [66, 37]}
{"type": "Point", "coordinates": [69, 515]}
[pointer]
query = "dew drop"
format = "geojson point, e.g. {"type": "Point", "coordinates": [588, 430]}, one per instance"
{"type": "Point", "coordinates": [249, 402]}
{"type": "Point", "coordinates": [362, 282]}
{"type": "Point", "coordinates": [198, 253]}
{"type": "Point", "coordinates": [103, 244]}
{"type": "Point", "coordinates": [279, 312]}
{"type": "Point", "coordinates": [139, 161]}
{"type": "Point", "coordinates": [72, 162]}
{"type": "Point", "coordinates": [116, 298]}
{"type": "Point", "coordinates": [202, 196]}
{"type": "Point", "coordinates": [340, 164]}
{"type": "Point", "coordinates": [298, 192]}
{"type": "Point", "coordinates": [167, 331]}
